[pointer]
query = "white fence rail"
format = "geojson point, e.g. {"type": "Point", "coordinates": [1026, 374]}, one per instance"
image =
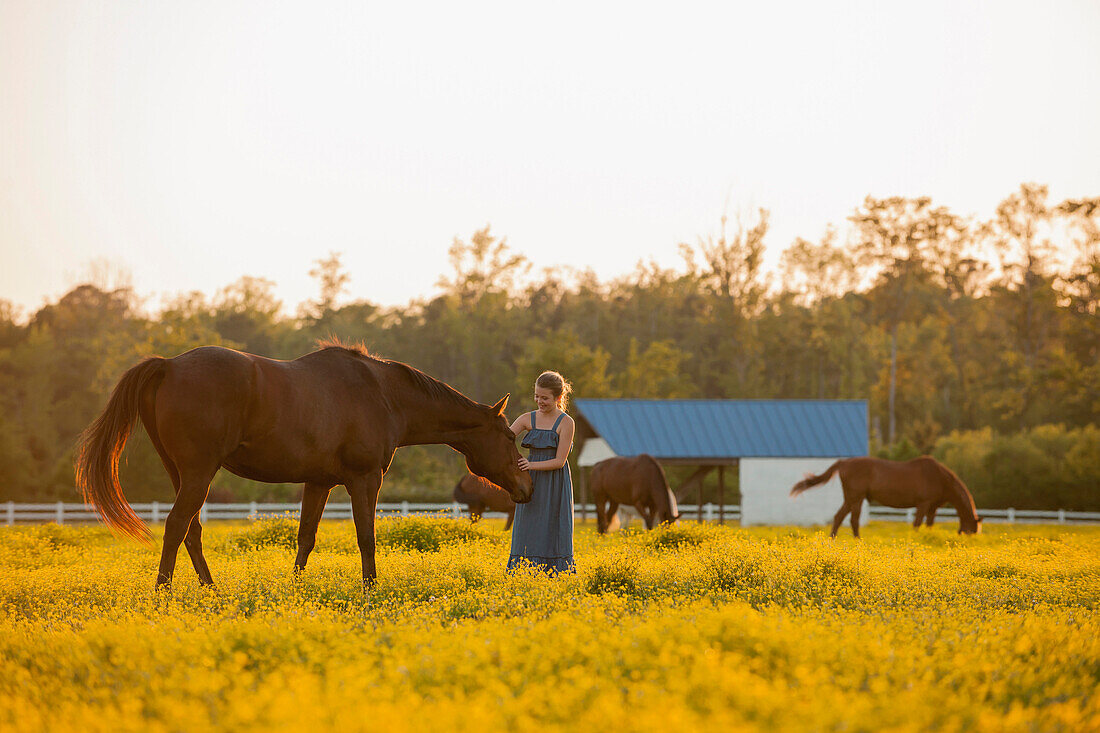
{"type": "Point", "coordinates": [156, 512]}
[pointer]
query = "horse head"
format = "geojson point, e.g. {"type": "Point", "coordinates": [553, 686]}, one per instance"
{"type": "Point", "coordinates": [668, 513]}
{"type": "Point", "coordinates": [491, 453]}
{"type": "Point", "coordinates": [970, 526]}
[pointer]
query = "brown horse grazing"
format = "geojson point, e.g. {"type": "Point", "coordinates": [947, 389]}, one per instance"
{"type": "Point", "coordinates": [637, 481]}
{"type": "Point", "coordinates": [923, 482]}
{"type": "Point", "coordinates": [479, 495]}
{"type": "Point", "coordinates": [334, 416]}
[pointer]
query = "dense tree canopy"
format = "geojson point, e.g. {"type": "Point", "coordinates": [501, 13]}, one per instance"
{"type": "Point", "coordinates": [953, 329]}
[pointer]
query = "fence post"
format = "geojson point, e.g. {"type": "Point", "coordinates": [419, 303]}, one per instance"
{"type": "Point", "coordinates": [1011, 515]}
{"type": "Point", "coordinates": [454, 510]}
{"type": "Point", "coordinates": [60, 512]}
{"type": "Point", "coordinates": [11, 513]}
{"type": "Point", "coordinates": [910, 514]}
{"type": "Point", "coordinates": [404, 508]}
{"type": "Point", "coordinates": [1061, 516]}
{"type": "Point", "coordinates": [709, 510]}
{"type": "Point", "coordinates": [156, 512]}
{"type": "Point", "coordinates": [253, 510]}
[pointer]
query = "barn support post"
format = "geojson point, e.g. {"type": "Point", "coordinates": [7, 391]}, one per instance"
{"type": "Point", "coordinates": [721, 495]}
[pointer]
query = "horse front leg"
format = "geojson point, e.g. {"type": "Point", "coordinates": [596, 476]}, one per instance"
{"type": "Point", "coordinates": [601, 514]}
{"type": "Point", "coordinates": [511, 518]}
{"type": "Point", "coordinates": [922, 510]}
{"type": "Point", "coordinates": [931, 516]}
{"type": "Point", "coordinates": [364, 501]}
{"type": "Point", "coordinates": [646, 515]}
{"type": "Point", "coordinates": [314, 498]}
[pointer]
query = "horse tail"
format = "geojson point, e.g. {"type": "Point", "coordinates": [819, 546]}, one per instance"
{"type": "Point", "coordinates": [811, 481]}
{"type": "Point", "coordinates": [101, 444]}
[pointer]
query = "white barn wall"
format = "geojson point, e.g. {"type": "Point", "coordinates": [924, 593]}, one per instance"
{"type": "Point", "coordinates": [765, 492]}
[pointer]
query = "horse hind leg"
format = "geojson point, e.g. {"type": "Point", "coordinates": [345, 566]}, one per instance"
{"type": "Point", "coordinates": [194, 486]}
{"type": "Point", "coordinates": [193, 539]}
{"type": "Point", "coordinates": [838, 518]}
{"type": "Point", "coordinates": [613, 521]}
{"type": "Point", "coordinates": [857, 507]}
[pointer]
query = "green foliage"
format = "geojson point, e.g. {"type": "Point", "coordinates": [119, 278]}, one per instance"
{"type": "Point", "coordinates": [617, 575]}
{"type": "Point", "coordinates": [1047, 467]}
{"type": "Point", "coordinates": [914, 317]}
{"type": "Point", "coordinates": [268, 531]}
{"type": "Point", "coordinates": [680, 534]}
{"type": "Point", "coordinates": [427, 534]}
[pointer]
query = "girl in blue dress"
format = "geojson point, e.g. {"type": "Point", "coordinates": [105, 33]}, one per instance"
{"type": "Point", "coordinates": [542, 532]}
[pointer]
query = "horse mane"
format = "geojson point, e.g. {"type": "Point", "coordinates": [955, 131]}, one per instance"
{"type": "Point", "coordinates": [956, 486]}
{"type": "Point", "coordinates": [429, 385]}
{"type": "Point", "coordinates": [654, 463]}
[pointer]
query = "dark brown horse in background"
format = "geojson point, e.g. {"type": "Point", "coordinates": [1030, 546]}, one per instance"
{"type": "Point", "coordinates": [923, 482]}
{"type": "Point", "coordinates": [331, 417]}
{"type": "Point", "coordinates": [479, 495]}
{"type": "Point", "coordinates": [637, 481]}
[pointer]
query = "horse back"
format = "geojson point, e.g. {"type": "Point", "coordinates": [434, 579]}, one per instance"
{"type": "Point", "coordinates": [632, 480]}
{"type": "Point", "coordinates": [896, 483]}
{"type": "Point", "coordinates": [300, 420]}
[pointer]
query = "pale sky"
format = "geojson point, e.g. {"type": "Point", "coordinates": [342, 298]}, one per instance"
{"type": "Point", "coordinates": [195, 142]}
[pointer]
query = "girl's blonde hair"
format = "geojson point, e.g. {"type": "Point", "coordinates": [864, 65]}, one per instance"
{"type": "Point", "coordinates": [558, 386]}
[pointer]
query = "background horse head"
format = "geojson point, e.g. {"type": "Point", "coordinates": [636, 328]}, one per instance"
{"type": "Point", "coordinates": [480, 494]}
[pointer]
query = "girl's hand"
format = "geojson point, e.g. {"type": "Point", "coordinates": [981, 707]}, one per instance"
{"type": "Point", "coordinates": [523, 464]}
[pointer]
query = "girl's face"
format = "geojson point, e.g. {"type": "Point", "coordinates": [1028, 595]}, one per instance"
{"type": "Point", "coordinates": [545, 400]}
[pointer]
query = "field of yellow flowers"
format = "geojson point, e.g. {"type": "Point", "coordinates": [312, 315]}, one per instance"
{"type": "Point", "coordinates": [691, 627]}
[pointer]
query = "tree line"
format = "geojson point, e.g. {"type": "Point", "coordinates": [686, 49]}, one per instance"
{"type": "Point", "coordinates": [980, 333]}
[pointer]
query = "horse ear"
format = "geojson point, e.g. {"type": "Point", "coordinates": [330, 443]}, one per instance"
{"type": "Point", "coordinates": [498, 408]}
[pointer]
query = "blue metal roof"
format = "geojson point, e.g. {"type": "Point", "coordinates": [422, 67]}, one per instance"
{"type": "Point", "coordinates": [723, 429]}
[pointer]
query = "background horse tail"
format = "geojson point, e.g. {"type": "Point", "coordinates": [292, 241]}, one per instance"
{"type": "Point", "coordinates": [811, 481]}
{"type": "Point", "coordinates": [101, 445]}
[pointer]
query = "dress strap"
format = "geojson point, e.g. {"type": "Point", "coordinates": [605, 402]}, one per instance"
{"type": "Point", "coordinates": [557, 422]}
{"type": "Point", "coordinates": [532, 419]}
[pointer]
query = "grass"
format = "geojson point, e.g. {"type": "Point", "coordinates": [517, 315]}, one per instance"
{"type": "Point", "coordinates": [688, 627]}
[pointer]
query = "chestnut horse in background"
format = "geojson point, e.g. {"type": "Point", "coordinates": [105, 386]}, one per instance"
{"type": "Point", "coordinates": [923, 482]}
{"type": "Point", "coordinates": [479, 495]}
{"type": "Point", "coordinates": [637, 481]}
{"type": "Point", "coordinates": [332, 417]}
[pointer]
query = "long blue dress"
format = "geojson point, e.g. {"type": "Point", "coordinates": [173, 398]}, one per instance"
{"type": "Point", "coordinates": [542, 532]}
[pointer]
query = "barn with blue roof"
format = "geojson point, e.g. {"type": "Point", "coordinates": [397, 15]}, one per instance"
{"type": "Point", "coordinates": [772, 444]}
